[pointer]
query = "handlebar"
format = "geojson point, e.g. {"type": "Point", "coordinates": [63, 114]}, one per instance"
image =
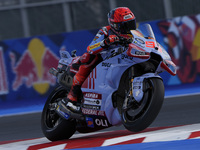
{"type": "Point", "coordinates": [123, 41]}
{"type": "Point", "coordinates": [62, 78]}
{"type": "Point", "coordinates": [53, 71]}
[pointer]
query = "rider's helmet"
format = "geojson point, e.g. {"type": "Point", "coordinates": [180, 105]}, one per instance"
{"type": "Point", "coordinates": [122, 20]}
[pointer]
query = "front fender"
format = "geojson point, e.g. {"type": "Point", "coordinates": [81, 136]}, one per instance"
{"type": "Point", "coordinates": [138, 85]}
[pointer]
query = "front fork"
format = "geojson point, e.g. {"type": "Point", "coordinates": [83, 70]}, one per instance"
{"type": "Point", "coordinates": [129, 99]}
{"type": "Point", "coordinates": [138, 88]}
{"type": "Point", "coordinates": [131, 77]}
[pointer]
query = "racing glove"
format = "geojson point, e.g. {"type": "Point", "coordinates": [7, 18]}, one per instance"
{"type": "Point", "coordinates": [111, 39]}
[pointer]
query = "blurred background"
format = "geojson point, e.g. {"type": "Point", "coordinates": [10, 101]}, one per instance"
{"type": "Point", "coordinates": [24, 18]}
{"type": "Point", "coordinates": [33, 31]}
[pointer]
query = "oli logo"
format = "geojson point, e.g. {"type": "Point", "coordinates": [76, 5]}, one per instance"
{"type": "Point", "coordinates": [33, 66]}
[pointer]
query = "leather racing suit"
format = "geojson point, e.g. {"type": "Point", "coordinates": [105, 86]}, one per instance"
{"type": "Point", "coordinates": [97, 51]}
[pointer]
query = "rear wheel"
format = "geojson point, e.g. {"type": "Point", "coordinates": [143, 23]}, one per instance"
{"type": "Point", "coordinates": [53, 126]}
{"type": "Point", "coordinates": [141, 114]}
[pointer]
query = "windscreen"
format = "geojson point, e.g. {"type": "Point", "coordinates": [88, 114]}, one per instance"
{"type": "Point", "coordinates": [147, 31]}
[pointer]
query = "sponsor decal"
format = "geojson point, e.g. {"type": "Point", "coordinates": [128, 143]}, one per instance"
{"type": "Point", "coordinates": [90, 122]}
{"type": "Point", "coordinates": [101, 113]}
{"type": "Point", "coordinates": [98, 35]}
{"type": "Point", "coordinates": [92, 98]}
{"type": "Point", "coordinates": [123, 56]}
{"type": "Point", "coordinates": [93, 112]}
{"type": "Point", "coordinates": [150, 44]}
{"type": "Point", "coordinates": [94, 46]}
{"type": "Point", "coordinates": [139, 40]}
{"type": "Point", "coordinates": [101, 122]}
{"type": "Point", "coordinates": [92, 95]}
{"type": "Point", "coordinates": [95, 38]}
{"type": "Point", "coordinates": [92, 107]}
{"type": "Point", "coordinates": [89, 111]}
{"type": "Point", "coordinates": [65, 115]}
{"type": "Point", "coordinates": [128, 16]}
{"type": "Point", "coordinates": [106, 64]}
{"type": "Point", "coordinates": [140, 53]}
{"type": "Point", "coordinates": [92, 102]}
{"type": "Point", "coordinates": [138, 44]}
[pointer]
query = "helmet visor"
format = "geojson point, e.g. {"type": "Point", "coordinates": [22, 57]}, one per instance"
{"type": "Point", "coordinates": [125, 27]}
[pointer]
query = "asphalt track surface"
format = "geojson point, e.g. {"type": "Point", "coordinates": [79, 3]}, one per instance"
{"type": "Point", "coordinates": [175, 111]}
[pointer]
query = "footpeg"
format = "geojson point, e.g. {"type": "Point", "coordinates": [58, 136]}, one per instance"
{"type": "Point", "coordinates": [66, 113]}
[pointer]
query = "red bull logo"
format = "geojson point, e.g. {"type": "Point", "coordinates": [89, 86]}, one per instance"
{"type": "Point", "coordinates": [33, 66]}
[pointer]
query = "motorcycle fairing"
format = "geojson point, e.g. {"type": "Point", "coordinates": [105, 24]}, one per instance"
{"type": "Point", "coordinates": [141, 47]}
{"type": "Point", "coordinates": [108, 75]}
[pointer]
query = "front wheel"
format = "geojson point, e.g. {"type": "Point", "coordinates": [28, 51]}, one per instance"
{"type": "Point", "coordinates": [142, 114]}
{"type": "Point", "coordinates": [53, 126]}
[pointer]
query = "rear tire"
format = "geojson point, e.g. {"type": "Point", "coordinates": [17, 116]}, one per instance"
{"type": "Point", "coordinates": [139, 118]}
{"type": "Point", "coordinates": [53, 126]}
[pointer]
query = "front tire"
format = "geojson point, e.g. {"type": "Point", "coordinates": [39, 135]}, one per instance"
{"type": "Point", "coordinates": [140, 117]}
{"type": "Point", "coordinates": [53, 126]}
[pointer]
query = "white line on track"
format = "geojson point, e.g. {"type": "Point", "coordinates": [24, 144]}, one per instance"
{"type": "Point", "coordinates": [169, 134]}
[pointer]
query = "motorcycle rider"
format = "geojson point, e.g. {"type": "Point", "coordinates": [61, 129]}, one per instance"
{"type": "Point", "coordinates": [121, 20]}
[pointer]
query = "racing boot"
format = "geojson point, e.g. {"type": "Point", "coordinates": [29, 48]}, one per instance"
{"type": "Point", "coordinates": [73, 99]}
{"type": "Point", "coordinates": [70, 106]}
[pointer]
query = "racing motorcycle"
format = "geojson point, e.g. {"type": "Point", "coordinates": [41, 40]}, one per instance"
{"type": "Point", "coordinates": [123, 89]}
